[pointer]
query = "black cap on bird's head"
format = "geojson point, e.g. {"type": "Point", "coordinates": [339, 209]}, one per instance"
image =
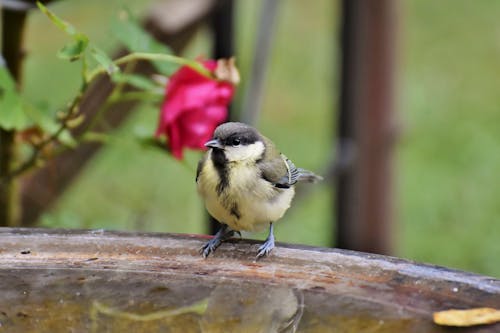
{"type": "Point", "coordinates": [233, 134]}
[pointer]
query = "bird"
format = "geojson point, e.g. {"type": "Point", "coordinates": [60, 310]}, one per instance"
{"type": "Point", "coordinates": [246, 183]}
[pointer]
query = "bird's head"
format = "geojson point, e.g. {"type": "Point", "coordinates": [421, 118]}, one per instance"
{"type": "Point", "coordinates": [237, 142]}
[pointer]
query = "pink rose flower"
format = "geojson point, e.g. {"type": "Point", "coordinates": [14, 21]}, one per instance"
{"type": "Point", "coordinates": [195, 105]}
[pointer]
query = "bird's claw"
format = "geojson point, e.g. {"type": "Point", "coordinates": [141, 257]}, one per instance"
{"type": "Point", "coordinates": [265, 248]}
{"type": "Point", "coordinates": [223, 234]}
{"type": "Point", "coordinates": [210, 247]}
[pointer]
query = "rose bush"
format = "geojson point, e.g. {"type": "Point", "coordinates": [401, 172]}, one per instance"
{"type": "Point", "coordinates": [195, 104]}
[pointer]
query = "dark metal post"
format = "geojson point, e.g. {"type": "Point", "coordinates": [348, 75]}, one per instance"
{"type": "Point", "coordinates": [262, 51]}
{"type": "Point", "coordinates": [363, 201]}
{"type": "Point", "coordinates": [222, 25]}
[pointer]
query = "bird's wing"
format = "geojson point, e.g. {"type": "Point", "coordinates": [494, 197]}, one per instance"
{"type": "Point", "coordinates": [279, 171]}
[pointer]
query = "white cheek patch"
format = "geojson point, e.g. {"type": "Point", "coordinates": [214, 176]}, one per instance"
{"type": "Point", "coordinates": [253, 151]}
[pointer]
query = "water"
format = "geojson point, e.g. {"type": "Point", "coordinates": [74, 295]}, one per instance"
{"type": "Point", "coordinates": [72, 300]}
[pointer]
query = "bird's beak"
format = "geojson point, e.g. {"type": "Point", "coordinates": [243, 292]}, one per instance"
{"type": "Point", "coordinates": [215, 143]}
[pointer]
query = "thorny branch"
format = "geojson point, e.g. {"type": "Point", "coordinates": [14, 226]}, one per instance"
{"type": "Point", "coordinates": [116, 96]}
{"type": "Point", "coordinates": [54, 137]}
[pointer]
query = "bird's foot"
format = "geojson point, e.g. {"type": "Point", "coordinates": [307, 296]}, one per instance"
{"type": "Point", "coordinates": [266, 248]}
{"type": "Point", "coordinates": [223, 234]}
{"type": "Point", "coordinates": [210, 246]}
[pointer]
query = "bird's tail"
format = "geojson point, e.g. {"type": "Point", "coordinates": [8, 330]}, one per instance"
{"type": "Point", "coordinates": [308, 176]}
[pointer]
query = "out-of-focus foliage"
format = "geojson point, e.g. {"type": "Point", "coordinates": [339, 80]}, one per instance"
{"type": "Point", "coordinates": [447, 161]}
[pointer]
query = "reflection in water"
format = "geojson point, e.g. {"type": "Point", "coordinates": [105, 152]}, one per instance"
{"type": "Point", "coordinates": [255, 308]}
{"type": "Point", "coordinates": [98, 309]}
{"type": "Point", "coordinates": [54, 301]}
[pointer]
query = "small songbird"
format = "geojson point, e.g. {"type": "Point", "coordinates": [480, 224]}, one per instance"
{"type": "Point", "coordinates": [246, 183]}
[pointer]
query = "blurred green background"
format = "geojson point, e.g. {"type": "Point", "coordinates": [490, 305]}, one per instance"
{"type": "Point", "coordinates": [447, 194]}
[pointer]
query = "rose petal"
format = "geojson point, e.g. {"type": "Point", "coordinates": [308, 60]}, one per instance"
{"type": "Point", "coordinates": [175, 142]}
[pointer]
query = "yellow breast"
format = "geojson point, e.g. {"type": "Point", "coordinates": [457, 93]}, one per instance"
{"type": "Point", "coordinates": [248, 203]}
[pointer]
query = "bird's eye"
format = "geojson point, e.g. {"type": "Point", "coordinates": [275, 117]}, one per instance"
{"type": "Point", "coordinates": [236, 142]}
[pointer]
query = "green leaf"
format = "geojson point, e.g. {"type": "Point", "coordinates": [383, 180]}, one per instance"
{"type": "Point", "coordinates": [133, 36]}
{"type": "Point", "coordinates": [41, 115]}
{"type": "Point", "coordinates": [58, 22]}
{"type": "Point", "coordinates": [6, 80]}
{"type": "Point", "coordinates": [12, 115]}
{"type": "Point", "coordinates": [74, 50]}
{"type": "Point", "coordinates": [67, 139]}
{"type": "Point", "coordinates": [102, 58]}
{"type": "Point", "coordinates": [137, 81]}
{"type": "Point", "coordinates": [128, 31]}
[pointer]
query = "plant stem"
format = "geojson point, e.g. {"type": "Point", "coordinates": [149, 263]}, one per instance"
{"type": "Point", "coordinates": [151, 57]}
{"type": "Point", "coordinates": [137, 96]}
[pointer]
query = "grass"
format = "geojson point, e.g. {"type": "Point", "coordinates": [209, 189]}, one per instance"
{"type": "Point", "coordinates": [447, 188]}
{"type": "Point", "coordinates": [448, 159]}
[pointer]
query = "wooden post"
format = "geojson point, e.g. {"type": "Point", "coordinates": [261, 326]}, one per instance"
{"type": "Point", "coordinates": [363, 202]}
{"type": "Point", "coordinates": [13, 22]}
